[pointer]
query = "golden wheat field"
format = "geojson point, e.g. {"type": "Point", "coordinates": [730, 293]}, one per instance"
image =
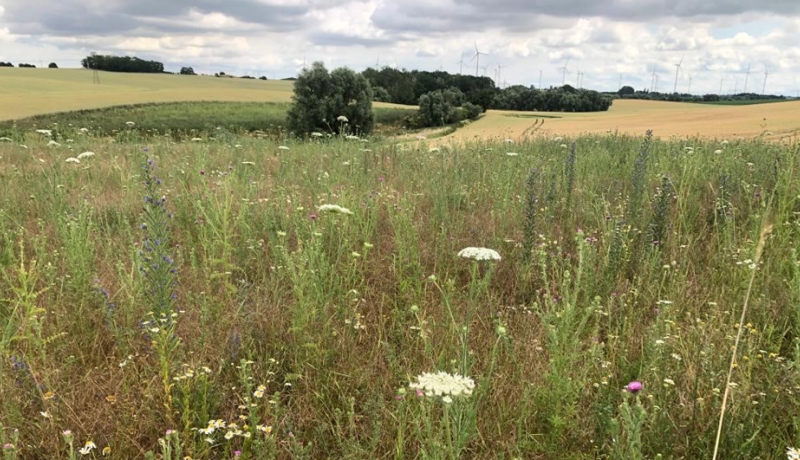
{"type": "Point", "coordinates": [777, 121]}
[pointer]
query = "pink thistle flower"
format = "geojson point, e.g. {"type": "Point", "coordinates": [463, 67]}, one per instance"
{"type": "Point", "coordinates": [634, 387]}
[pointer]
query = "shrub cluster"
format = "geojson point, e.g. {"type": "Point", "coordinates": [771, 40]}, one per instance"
{"type": "Point", "coordinates": [442, 107]}
{"type": "Point", "coordinates": [121, 64]}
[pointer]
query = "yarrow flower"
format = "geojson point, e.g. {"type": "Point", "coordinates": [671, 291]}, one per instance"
{"type": "Point", "coordinates": [342, 118]}
{"type": "Point", "coordinates": [512, 154]}
{"type": "Point", "coordinates": [792, 453]}
{"type": "Point", "coordinates": [634, 387]}
{"type": "Point", "coordinates": [333, 208]}
{"type": "Point", "coordinates": [130, 123]}
{"type": "Point", "coordinates": [283, 147]}
{"type": "Point", "coordinates": [316, 134]}
{"type": "Point", "coordinates": [53, 144]}
{"type": "Point", "coordinates": [46, 132]}
{"type": "Point", "coordinates": [479, 254]}
{"type": "Point", "coordinates": [72, 160]}
{"type": "Point", "coordinates": [85, 155]}
{"type": "Point", "coordinates": [443, 385]}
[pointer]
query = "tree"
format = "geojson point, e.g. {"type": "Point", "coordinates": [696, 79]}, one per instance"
{"type": "Point", "coordinates": [380, 94]}
{"type": "Point", "coordinates": [52, 65]}
{"type": "Point", "coordinates": [626, 91]}
{"type": "Point", "coordinates": [121, 64]}
{"type": "Point", "coordinates": [322, 97]}
{"type": "Point", "coordinates": [187, 71]}
{"type": "Point", "coordinates": [6, 64]}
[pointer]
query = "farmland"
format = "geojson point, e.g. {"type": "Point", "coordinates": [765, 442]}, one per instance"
{"type": "Point", "coordinates": [186, 279]}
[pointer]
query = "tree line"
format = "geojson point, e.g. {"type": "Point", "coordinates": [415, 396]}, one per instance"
{"type": "Point", "coordinates": [407, 87]}
{"type": "Point", "coordinates": [627, 92]}
{"type": "Point", "coordinates": [121, 64]}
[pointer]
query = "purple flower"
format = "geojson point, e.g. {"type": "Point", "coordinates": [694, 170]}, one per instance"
{"type": "Point", "coordinates": [312, 216]}
{"type": "Point", "coordinates": [237, 453]}
{"type": "Point", "coordinates": [634, 387]}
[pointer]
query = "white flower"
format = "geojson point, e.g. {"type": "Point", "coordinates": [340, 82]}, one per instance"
{"type": "Point", "coordinates": [351, 138]}
{"type": "Point", "coordinates": [5, 139]}
{"type": "Point", "coordinates": [84, 130]}
{"type": "Point", "coordinates": [46, 132]}
{"type": "Point", "coordinates": [197, 139]}
{"type": "Point", "coordinates": [512, 154]}
{"type": "Point", "coordinates": [725, 142]}
{"type": "Point", "coordinates": [443, 385]}
{"type": "Point", "coordinates": [53, 144]}
{"type": "Point", "coordinates": [45, 414]}
{"type": "Point", "coordinates": [85, 155]}
{"type": "Point", "coordinates": [72, 160]}
{"type": "Point", "coordinates": [248, 163]}
{"type": "Point", "coordinates": [563, 146]}
{"type": "Point", "coordinates": [342, 119]}
{"type": "Point", "coordinates": [669, 382]}
{"type": "Point", "coordinates": [433, 149]}
{"type": "Point", "coordinates": [718, 151]}
{"type": "Point", "coordinates": [334, 208]}
{"type": "Point", "coordinates": [238, 146]}
{"type": "Point", "coordinates": [479, 254]}
{"type": "Point", "coordinates": [421, 137]}
{"type": "Point", "coordinates": [130, 123]}
{"type": "Point", "coordinates": [558, 139]}
{"type": "Point", "coordinates": [792, 453]}
{"type": "Point", "coordinates": [509, 141]}
{"type": "Point", "coordinates": [283, 147]}
{"type": "Point", "coordinates": [87, 448]}
{"type": "Point", "coordinates": [316, 134]}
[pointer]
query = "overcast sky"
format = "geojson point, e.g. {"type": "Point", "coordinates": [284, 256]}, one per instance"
{"type": "Point", "coordinates": [604, 39]}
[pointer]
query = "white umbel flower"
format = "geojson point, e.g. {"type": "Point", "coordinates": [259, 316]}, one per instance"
{"type": "Point", "coordinates": [72, 160]}
{"type": "Point", "coordinates": [316, 134]}
{"type": "Point", "coordinates": [792, 453]}
{"type": "Point", "coordinates": [130, 124]}
{"type": "Point", "coordinates": [5, 139]}
{"type": "Point", "coordinates": [53, 144]}
{"type": "Point", "coordinates": [342, 118]}
{"type": "Point", "coordinates": [512, 154]}
{"type": "Point", "coordinates": [334, 208]}
{"type": "Point", "coordinates": [85, 155]}
{"type": "Point", "coordinates": [443, 385]}
{"type": "Point", "coordinates": [479, 254]}
{"type": "Point", "coordinates": [46, 132]}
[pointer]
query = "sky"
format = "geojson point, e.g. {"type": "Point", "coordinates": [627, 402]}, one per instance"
{"type": "Point", "coordinates": [606, 41]}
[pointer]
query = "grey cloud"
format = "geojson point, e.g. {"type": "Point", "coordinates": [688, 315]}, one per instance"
{"type": "Point", "coordinates": [336, 39]}
{"type": "Point", "coordinates": [520, 15]}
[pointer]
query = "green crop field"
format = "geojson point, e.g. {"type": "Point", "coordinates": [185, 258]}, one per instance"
{"type": "Point", "coordinates": [247, 297]}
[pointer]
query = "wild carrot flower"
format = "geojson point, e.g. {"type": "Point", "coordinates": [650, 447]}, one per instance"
{"type": "Point", "coordinates": [85, 155]}
{"type": "Point", "coordinates": [333, 208]}
{"type": "Point", "coordinates": [283, 147]}
{"type": "Point", "coordinates": [479, 254]}
{"type": "Point", "coordinates": [316, 134]}
{"type": "Point", "coordinates": [443, 385]}
{"type": "Point", "coordinates": [130, 124]}
{"type": "Point", "coordinates": [512, 154]}
{"type": "Point", "coordinates": [73, 160]}
{"type": "Point", "coordinates": [342, 119]}
{"type": "Point", "coordinates": [53, 144]}
{"type": "Point", "coordinates": [792, 453]}
{"type": "Point", "coordinates": [46, 132]}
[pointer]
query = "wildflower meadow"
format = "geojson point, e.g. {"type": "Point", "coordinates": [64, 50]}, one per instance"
{"type": "Point", "coordinates": [229, 296]}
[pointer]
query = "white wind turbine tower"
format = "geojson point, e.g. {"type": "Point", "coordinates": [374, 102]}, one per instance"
{"type": "Point", "coordinates": [564, 72]}
{"type": "Point", "coordinates": [766, 74]}
{"type": "Point", "coordinates": [689, 88]}
{"type": "Point", "coordinates": [497, 72]}
{"type": "Point", "coordinates": [540, 79]}
{"type": "Point", "coordinates": [653, 79]}
{"type": "Point", "coordinates": [655, 89]}
{"type": "Point", "coordinates": [746, 77]}
{"type": "Point", "coordinates": [484, 69]}
{"type": "Point", "coordinates": [460, 62]}
{"type": "Point", "coordinates": [620, 82]}
{"type": "Point", "coordinates": [477, 58]}
{"type": "Point", "coordinates": [721, 81]}
{"type": "Point", "coordinates": [677, 70]}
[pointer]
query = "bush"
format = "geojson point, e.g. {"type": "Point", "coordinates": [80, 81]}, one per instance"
{"type": "Point", "coordinates": [187, 71]}
{"type": "Point", "coordinates": [26, 66]}
{"type": "Point", "coordinates": [380, 94]}
{"type": "Point", "coordinates": [52, 65]}
{"type": "Point", "coordinates": [320, 98]}
{"type": "Point", "coordinates": [121, 64]}
{"type": "Point", "coordinates": [262, 78]}
{"type": "Point", "coordinates": [6, 64]}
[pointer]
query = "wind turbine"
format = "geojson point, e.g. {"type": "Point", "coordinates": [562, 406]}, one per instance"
{"type": "Point", "coordinates": [653, 79]}
{"type": "Point", "coordinates": [378, 62]}
{"type": "Point", "coordinates": [721, 81]}
{"type": "Point", "coordinates": [746, 77]}
{"type": "Point", "coordinates": [477, 58]}
{"type": "Point", "coordinates": [677, 70]}
{"type": "Point", "coordinates": [540, 79]}
{"type": "Point", "coordinates": [461, 64]}
{"type": "Point", "coordinates": [689, 89]}
{"type": "Point", "coordinates": [735, 84]}
{"type": "Point", "coordinates": [766, 74]}
{"type": "Point", "coordinates": [655, 89]}
{"type": "Point", "coordinates": [564, 72]}
{"type": "Point", "coordinates": [484, 69]}
{"type": "Point", "coordinates": [497, 71]}
{"type": "Point", "coordinates": [620, 82]}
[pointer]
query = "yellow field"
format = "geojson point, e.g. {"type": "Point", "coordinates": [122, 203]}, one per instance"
{"type": "Point", "coordinates": [666, 119]}
{"type": "Point", "coordinates": [27, 92]}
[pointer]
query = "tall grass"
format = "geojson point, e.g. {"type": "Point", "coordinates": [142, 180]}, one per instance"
{"type": "Point", "coordinates": [208, 308]}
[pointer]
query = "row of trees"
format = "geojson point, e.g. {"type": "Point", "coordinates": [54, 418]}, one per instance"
{"type": "Point", "coordinates": [407, 87]}
{"type": "Point", "coordinates": [442, 107]}
{"type": "Point", "coordinates": [627, 92]}
{"type": "Point", "coordinates": [561, 99]}
{"type": "Point", "coordinates": [52, 65]}
{"type": "Point", "coordinates": [121, 64]}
